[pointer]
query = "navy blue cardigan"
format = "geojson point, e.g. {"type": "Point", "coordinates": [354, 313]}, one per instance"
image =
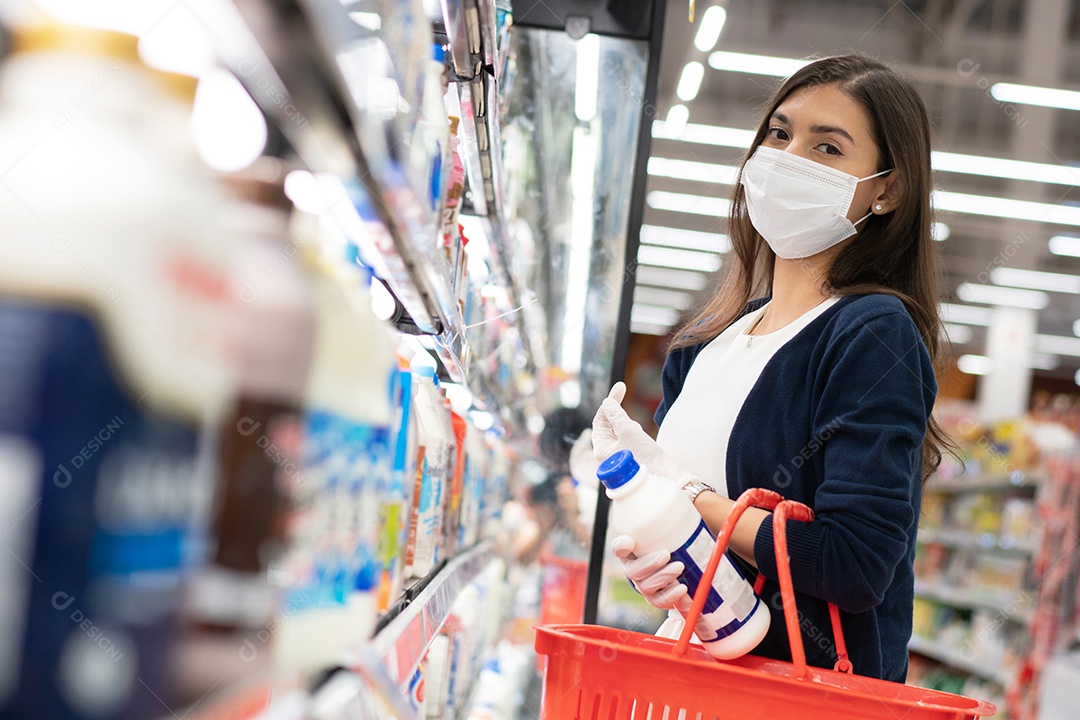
{"type": "Point", "coordinates": [837, 421]}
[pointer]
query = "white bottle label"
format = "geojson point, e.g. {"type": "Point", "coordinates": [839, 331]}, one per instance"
{"type": "Point", "coordinates": [731, 600]}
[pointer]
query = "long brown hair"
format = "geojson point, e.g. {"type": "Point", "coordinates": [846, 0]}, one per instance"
{"type": "Point", "coordinates": [895, 254]}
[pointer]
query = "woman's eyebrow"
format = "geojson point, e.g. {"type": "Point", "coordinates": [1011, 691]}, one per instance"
{"type": "Point", "coordinates": [824, 129]}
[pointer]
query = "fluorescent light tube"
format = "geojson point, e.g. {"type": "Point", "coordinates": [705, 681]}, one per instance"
{"type": "Point", "coordinates": [994, 295]}
{"type": "Point", "coordinates": [755, 64]}
{"type": "Point", "coordinates": [958, 334]}
{"type": "Point", "coordinates": [654, 314]}
{"type": "Point", "coordinates": [587, 77]}
{"type": "Point", "coordinates": [690, 81]}
{"type": "Point", "coordinates": [643, 328]}
{"type": "Point", "coordinates": [1065, 245]}
{"type": "Point", "coordinates": [685, 239]}
{"type": "Point", "coordinates": [666, 298]}
{"type": "Point", "coordinates": [1055, 174]}
{"type": "Point", "coordinates": [1006, 208]}
{"type": "Point", "coordinates": [667, 277]}
{"type": "Point", "coordinates": [676, 120]}
{"type": "Point", "coordinates": [705, 135]}
{"type": "Point", "coordinates": [1034, 95]}
{"type": "Point", "coordinates": [966, 314]}
{"type": "Point", "coordinates": [678, 259]}
{"type": "Point", "coordinates": [693, 170]}
{"type": "Point", "coordinates": [1036, 280]}
{"type": "Point", "coordinates": [685, 203]}
{"type": "Point", "coordinates": [712, 24]}
{"type": "Point", "coordinates": [1045, 361]}
{"type": "Point", "coordinates": [974, 364]}
{"type": "Point", "coordinates": [583, 156]}
{"type": "Point", "coordinates": [1058, 345]}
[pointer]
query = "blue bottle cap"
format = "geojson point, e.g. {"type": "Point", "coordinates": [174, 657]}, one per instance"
{"type": "Point", "coordinates": [438, 52]}
{"type": "Point", "coordinates": [618, 469]}
{"type": "Point", "coordinates": [425, 371]}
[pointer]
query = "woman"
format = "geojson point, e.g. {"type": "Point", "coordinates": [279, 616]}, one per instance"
{"type": "Point", "coordinates": [821, 390]}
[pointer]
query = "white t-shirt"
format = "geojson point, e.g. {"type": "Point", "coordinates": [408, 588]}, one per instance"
{"type": "Point", "coordinates": [697, 427]}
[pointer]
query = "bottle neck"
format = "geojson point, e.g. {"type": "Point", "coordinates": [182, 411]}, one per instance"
{"type": "Point", "coordinates": [629, 487]}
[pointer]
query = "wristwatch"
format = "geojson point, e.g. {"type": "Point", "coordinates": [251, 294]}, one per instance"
{"type": "Point", "coordinates": [695, 488]}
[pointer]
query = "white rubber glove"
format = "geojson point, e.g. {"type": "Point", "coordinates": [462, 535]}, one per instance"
{"type": "Point", "coordinates": [614, 430]}
{"type": "Point", "coordinates": [654, 576]}
{"type": "Point", "coordinates": [604, 440]}
{"type": "Point", "coordinates": [657, 579]}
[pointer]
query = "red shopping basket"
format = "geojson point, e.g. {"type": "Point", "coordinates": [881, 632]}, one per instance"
{"type": "Point", "coordinates": [562, 589]}
{"type": "Point", "coordinates": [599, 673]}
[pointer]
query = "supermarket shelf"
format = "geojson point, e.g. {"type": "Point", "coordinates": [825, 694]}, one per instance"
{"type": "Point", "coordinates": [402, 642]}
{"type": "Point", "coordinates": [954, 658]}
{"type": "Point", "coordinates": [976, 541]}
{"type": "Point", "coordinates": [972, 599]}
{"type": "Point", "coordinates": [988, 483]}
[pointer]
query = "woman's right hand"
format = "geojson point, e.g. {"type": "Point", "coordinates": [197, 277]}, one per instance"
{"type": "Point", "coordinates": [653, 575]}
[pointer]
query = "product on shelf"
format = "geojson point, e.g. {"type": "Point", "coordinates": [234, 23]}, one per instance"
{"type": "Point", "coordinates": [231, 600]}
{"type": "Point", "coordinates": [396, 503]}
{"type": "Point", "coordinates": [115, 299]}
{"type": "Point", "coordinates": [331, 567]}
{"type": "Point", "coordinates": [425, 523]}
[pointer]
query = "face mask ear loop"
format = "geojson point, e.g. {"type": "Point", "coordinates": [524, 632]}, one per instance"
{"type": "Point", "coordinates": [856, 223]}
{"type": "Point", "coordinates": [871, 177]}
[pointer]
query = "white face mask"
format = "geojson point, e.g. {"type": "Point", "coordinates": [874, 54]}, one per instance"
{"type": "Point", "coordinates": [799, 206]}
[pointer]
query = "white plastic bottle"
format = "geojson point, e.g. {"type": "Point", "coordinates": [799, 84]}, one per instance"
{"type": "Point", "coordinates": [659, 516]}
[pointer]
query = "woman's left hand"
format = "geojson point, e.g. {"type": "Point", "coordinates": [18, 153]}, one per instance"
{"type": "Point", "coordinates": [618, 431]}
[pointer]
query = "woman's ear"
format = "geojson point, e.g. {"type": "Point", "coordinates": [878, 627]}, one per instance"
{"type": "Point", "coordinates": [890, 196]}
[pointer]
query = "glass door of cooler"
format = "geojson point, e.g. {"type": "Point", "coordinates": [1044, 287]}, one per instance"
{"type": "Point", "coordinates": [576, 141]}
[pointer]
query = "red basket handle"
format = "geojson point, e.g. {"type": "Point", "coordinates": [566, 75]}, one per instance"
{"type": "Point", "coordinates": [782, 510]}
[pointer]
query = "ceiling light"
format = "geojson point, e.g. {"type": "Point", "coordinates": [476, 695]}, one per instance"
{"type": "Point", "coordinates": [958, 334]}
{"type": "Point", "coordinates": [690, 81]}
{"type": "Point", "coordinates": [692, 170]}
{"type": "Point", "coordinates": [685, 239]}
{"type": "Point", "coordinates": [666, 277]}
{"type": "Point", "coordinates": [1076, 328]}
{"type": "Point", "coordinates": [643, 328]}
{"type": "Point", "coordinates": [676, 119]}
{"type": "Point", "coordinates": [993, 295]}
{"type": "Point", "coordinates": [679, 259]}
{"type": "Point", "coordinates": [1045, 361]}
{"type": "Point", "coordinates": [712, 24]}
{"type": "Point", "coordinates": [1033, 95]}
{"type": "Point", "coordinates": [1006, 208]}
{"type": "Point", "coordinates": [587, 77]}
{"type": "Point", "coordinates": [1036, 280]}
{"type": "Point", "coordinates": [1004, 168]}
{"type": "Point", "coordinates": [666, 298]}
{"type": "Point", "coordinates": [706, 135]}
{"type": "Point", "coordinates": [1065, 245]}
{"type": "Point", "coordinates": [966, 314]}
{"type": "Point", "coordinates": [695, 204]}
{"type": "Point", "coordinates": [974, 364]}
{"type": "Point", "coordinates": [1057, 344]}
{"type": "Point", "coordinates": [755, 64]}
{"type": "Point", "coordinates": [940, 231]}
{"type": "Point", "coordinates": [654, 314]}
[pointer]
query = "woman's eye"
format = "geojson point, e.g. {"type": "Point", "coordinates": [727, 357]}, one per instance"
{"type": "Point", "coordinates": [829, 149]}
{"type": "Point", "coordinates": [778, 133]}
